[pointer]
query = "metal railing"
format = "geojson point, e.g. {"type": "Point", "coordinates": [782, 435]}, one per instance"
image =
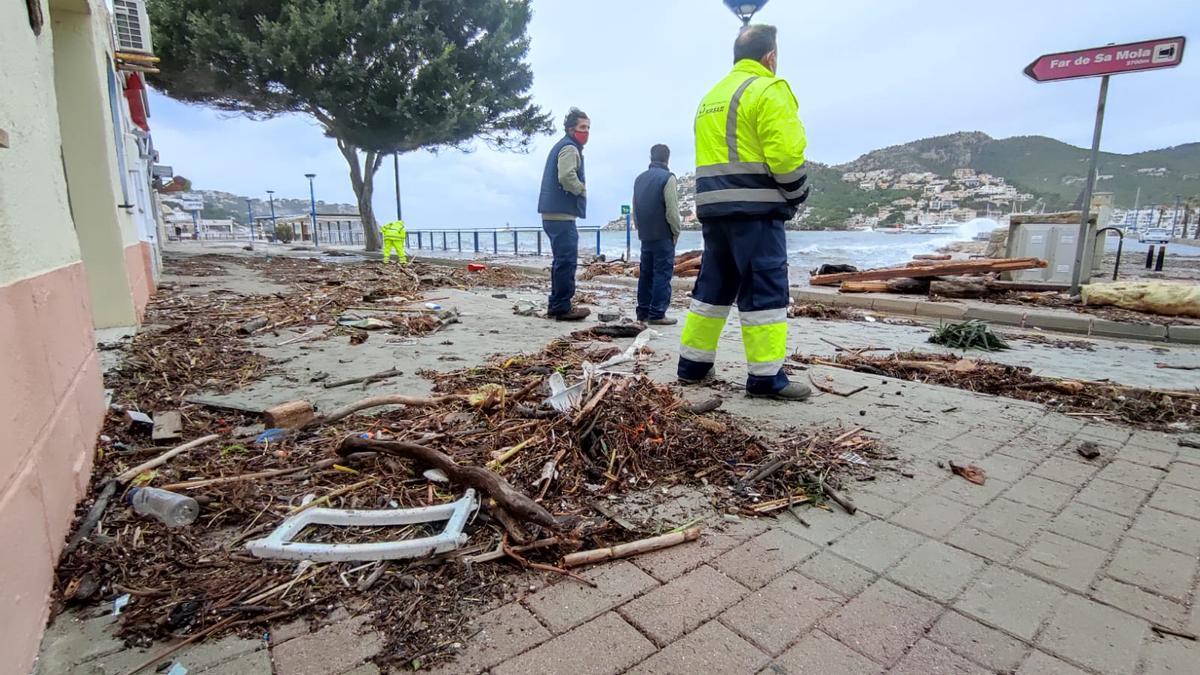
{"type": "Point", "coordinates": [483, 241]}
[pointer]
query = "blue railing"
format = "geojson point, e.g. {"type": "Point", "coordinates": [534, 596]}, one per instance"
{"type": "Point", "coordinates": [483, 241]}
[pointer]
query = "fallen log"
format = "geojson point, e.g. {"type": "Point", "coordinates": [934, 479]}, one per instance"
{"type": "Point", "coordinates": [491, 484]}
{"type": "Point", "coordinates": [960, 288]}
{"type": "Point", "coordinates": [933, 269]}
{"type": "Point", "coordinates": [931, 256]}
{"type": "Point", "coordinates": [630, 549]}
{"type": "Point", "coordinates": [289, 415]}
{"type": "Point", "coordinates": [364, 380]}
{"type": "Point", "coordinates": [901, 285]}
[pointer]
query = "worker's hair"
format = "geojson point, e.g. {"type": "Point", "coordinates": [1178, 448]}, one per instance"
{"type": "Point", "coordinates": [572, 118]}
{"type": "Point", "coordinates": [660, 153]}
{"type": "Point", "coordinates": [754, 42]}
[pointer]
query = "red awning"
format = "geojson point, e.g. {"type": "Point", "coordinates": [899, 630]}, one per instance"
{"type": "Point", "coordinates": [135, 93]}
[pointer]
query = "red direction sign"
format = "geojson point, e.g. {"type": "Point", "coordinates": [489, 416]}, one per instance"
{"type": "Point", "coordinates": [1110, 60]}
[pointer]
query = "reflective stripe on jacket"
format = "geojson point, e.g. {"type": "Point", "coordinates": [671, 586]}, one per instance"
{"type": "Point", "coordinates": [394, 230]}
{"type": "Point", "coordinates": [749, 147]}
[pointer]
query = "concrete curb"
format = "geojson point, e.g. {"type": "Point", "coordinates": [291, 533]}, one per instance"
{"type": "Point", "coordinates": [1081, 324]}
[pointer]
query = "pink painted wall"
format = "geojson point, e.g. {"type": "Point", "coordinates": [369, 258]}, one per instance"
{"type": "Point", "coordinates": [51, 409]}
{"type": "Point", "coordinates": [139, 268]}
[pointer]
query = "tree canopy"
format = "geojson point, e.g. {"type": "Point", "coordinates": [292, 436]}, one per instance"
{"type": "Point", "coordinates": [381, 76]}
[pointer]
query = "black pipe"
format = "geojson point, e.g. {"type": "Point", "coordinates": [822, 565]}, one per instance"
{"type": "Point", "coordinates": [1150, 257]}
{"type": "Point", "coordinates": [1120, 246]}
{"type": "Point", "coordinates": [1162, 253]}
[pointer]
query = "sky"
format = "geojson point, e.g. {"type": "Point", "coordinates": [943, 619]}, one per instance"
{"type": "Point", "coordinates": [867, 73]}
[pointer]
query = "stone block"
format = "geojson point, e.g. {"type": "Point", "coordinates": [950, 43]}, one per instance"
{"type": "Point", "coordinates": [1066, 471]}
{"type": "Point", "coordinates": [942, 310]}
{"type": "Point", "coordinates": [496, 636]}
{"type": "Point", "coordinates": [673, 609]}
{"type": "Point", "coordinates": [1040, 663]}
{"type": "Point", "coordinates": [837, 573]}
{"type": "Point", "coordinates": [819, 653]}
{"type": "Point", "coordinates": [711, 648]}
{"type": "Point", "coordinates": [1004, 467]}
{"type": "Point", "coordinates": [1130, 331]}
{"type": "Point", "coordinates": [929, 657]}
{"type": "Point", "coordinates": [1110, 496]}
{"type": "Point", "coordinates": [882, 622]}
{"type": "Point", "coordinates": [1153, 567]}
{"type": "Point", "coordinates": [568, 603]}
{"type": "Point", "coordinates": [983, 544]}
{"type": "Point", "coordinates": [668, 564]}
{"type": "Point", "coordinates": [1007, 317]}
{"type": "Point", "coordinates": [1089, 525]}
{"type": "Point", "coordinates": [1063, 323]}
{"type": "Point", "coordinates": [1064, 561]}
{"type": "Point", "coordinates": [764, 557]}
{"type": "Point", "coordinates": [1133, 475]}
{"type": "Point", "coordinates": [1167, 530]}
{"type": "Point", "coordinates": [1168, 655]}
{"type": "Point", "coordinates": [932, 515]}
{"type": "Point", "coordinates": [894, 306]}
{"type": "Point", "coordinates": [1177, 499]}
{"type": "Point", "coordinates": [956, 489]}
{"type": "Point", "coordinates": [824, 527]}
{"type": "Point", "coordinates": [937, 570]}
{"type": "Point", "coordinates": [1010, 601]}
{"type": "Point", "coordinates": [1134, 600]}
{"type": "Point", "coordinates": [1094, 635]}
{"type": "Point", "coordinates": [72, 639]}
{"type": "Point", "coordinates": [1041, 493]}
{"type": "Point", "coordinates": [783, 610]}
{"type": "Point", "coordinates": [1148, 457]}
{"type": "Point", "coordinates": [332, 649]}
{"type": "Point", "coordinates": [1184, 474]}
{"type": "Point", "coordinates": [1184, 334]}
{"type": "Point", "coordinates": [604, 646]}
{"type": "Point", "coordinates": [1010, 520]}
{"type": "Point", "coordinates": [987, 646]}
{"type": "Point", "coordinates": [877, 545]}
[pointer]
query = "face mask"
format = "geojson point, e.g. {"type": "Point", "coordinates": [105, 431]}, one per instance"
{"type": "Point", "coordinates": [581, 137]}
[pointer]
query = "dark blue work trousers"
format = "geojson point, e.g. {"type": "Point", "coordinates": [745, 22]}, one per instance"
{"type": "Point", "coordinates": [654, 279]}
{"type": "Point", "coordinates": [564, 244]}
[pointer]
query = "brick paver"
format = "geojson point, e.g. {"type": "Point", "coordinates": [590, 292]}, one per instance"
{"type": "Point", "coordinates": [983, 544]}
{"type": "Point", "coordinates": [1170, 656]}
{"type": "Point", "coordinates": [877, 545]}
{"type": "Point", "coordinates": [1009, 600]}
{"type": "Point", "coordinates": [882, 621]}
{"type": "Point", "coordinates": [1177, 499]}
{"type": "Point", "coordinates": [673, 609]}
{"type": "Point", "coordinates": [1186, 474]}
{"type": "Point", "coordinates": [820, 654]}
{"type": "Point", "coordinates": [1153, 567]}
{"type": "Point", "coordinates": [1110, 496]}
{"type": "Point", "coordinates": [1005, 468]}
{"type": "Point", "coordinates": [568, 603]}
{"type": "Point", "coordinates": [928, 657]}
{"type": "Point", "coordinates": [332, 649]}
{"type": "Point", "coordinates": [981, 644]}
{"type": "Point", "coordinates": [1041, 493]}
{"type": "Point", "coordinates": [824, 527]}
{"type": "Point", "coordinates": [669, 563]}
{"type": "Point", "coordinates": [835, 572]}
{"type": "Point", "coordinates": [1067, 471]}
{"type": "Point", "coordinates": [1140, 603]}
{"type": "Point", "coordinates": [1133, 475]}
{"type": "Point", "coordinates": [1009, 520]}
{"type": "Point", "coordinates": [783, 610]}
{"type": "Point", "coordinates": [603, 646]}
{"type": "Point", "coordinates": [1146, 456]}
{"type": "Point", "coordinates": [1064, 561]}
{"type": "Point", "coordinates": [711, 648]}
{"type": "Point", "coordinates": [1089, 525]}
{"type": "Point", "coordinates": [937, 570]}
{"type": "Point", "coordinates": [932, 515]}
{"type": "Point", "coordinates": [1094, 635]}
{"type": "Point", "coordinates": [1168, 530]}
{"type": "Point", "coordinates": [764, 557]}
{"type": "Point", "coordinates": [496, 636]}
{"type": "Point", "coordinates": [1044, 664]}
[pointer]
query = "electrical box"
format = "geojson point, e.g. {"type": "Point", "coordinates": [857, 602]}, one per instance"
{"type": "Point", "coordinates": [1054, 242]}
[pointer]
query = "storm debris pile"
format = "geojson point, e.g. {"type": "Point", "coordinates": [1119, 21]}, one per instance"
{"type": "Point", "coordinates": [1145, 408]}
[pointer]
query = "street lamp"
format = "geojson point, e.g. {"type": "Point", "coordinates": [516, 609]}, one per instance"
{"type": "Point", "coordinates": [745, 9]}
{"type": "Point", "coordinates": [250, 222]}
{"type": "Point", "coordinates": [312, 201]}
{"type": "Point", "coordinates": [274, 228]}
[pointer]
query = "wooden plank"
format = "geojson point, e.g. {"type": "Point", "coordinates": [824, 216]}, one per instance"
{"type": "Point", "coordinates": [931, 270]}
{"type": "Point", "coordinates": [168, 426]}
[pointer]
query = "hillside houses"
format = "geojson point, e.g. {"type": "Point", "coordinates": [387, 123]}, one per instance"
{"type": "Point", "coordinates": [938, 198]}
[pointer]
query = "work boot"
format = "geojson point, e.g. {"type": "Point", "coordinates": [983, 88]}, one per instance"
{"type": "Point", "coordinates": [573, 314]}
{"type": "Point", "coordinates": [663, 321]}
{"type": "Point", "coordinates": [794, 391]}
{"type": "Point", "coordinates": [708, 377]}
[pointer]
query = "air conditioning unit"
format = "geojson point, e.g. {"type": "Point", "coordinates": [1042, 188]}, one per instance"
{"type": "Point", "coordinates": [132, 26]}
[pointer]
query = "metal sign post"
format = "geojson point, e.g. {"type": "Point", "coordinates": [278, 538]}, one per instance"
{"type": "Point", "coordinates": [626, 210]}
{"type": "Point", "coordinates": [1102, 62]}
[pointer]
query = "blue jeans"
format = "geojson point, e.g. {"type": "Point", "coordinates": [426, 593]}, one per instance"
{"type": "Point", "coordinates": [564, 243]}
{"type": "Point", "coordinates": [744, 262]}
{"type": "Point", "coordinates": [654, 279]}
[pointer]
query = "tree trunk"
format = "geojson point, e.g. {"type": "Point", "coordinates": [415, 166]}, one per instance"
{"type": "Point", "coordinates": [362, 179]}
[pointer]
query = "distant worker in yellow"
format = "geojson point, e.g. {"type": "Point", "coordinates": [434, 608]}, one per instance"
{"type": "Point", "coordinates": [750, 177]}
{"type": "Point", "coordinates": [394, 236]}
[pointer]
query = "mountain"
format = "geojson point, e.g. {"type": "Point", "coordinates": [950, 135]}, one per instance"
{"type": "Point", "coordinates": [222, 205]}
{"type": "Point", "coordinates": [1046, 167]}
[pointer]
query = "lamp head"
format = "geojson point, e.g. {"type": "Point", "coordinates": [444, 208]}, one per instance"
{"type": "Point", "coordinates": [745, 9]}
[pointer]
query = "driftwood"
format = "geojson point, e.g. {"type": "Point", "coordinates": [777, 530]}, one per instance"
{"type": "Point", "coordinates": [364, 380]}
{"type": "Point", "coordinates": [377, 401]}
{"type": "Point", "coordinates": [931, 256]}
{"type": "Point", "coordinates": [93, 517]}
{"type": "Point", "coordinates": [959, 288]}
{"type": "Point", "coordinates": [290, 415]}
{"type": "Point", "coordinates": [491, 484]}
{"type": "Point", "coordinates": [269, 473]}
{"type": "Point", "coordinates": [126, 476]}
{"type": "Point", "coordinates": [630, 549]}
{"type": "Point", "coordinates": [902, 285]}
{"type": "Point", "coordinates": [933, 269]}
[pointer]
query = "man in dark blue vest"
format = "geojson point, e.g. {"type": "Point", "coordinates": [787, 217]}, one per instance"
{"type": "Point", "coordinates": [656, 211]}
{"type": "Point", "coordinates": [563, 198]}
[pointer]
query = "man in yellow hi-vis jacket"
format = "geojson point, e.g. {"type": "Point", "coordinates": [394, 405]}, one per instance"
{"type": "Point", "coordinates": [750, 178]}
{"type": "Point", "coordinates": [393, 239]}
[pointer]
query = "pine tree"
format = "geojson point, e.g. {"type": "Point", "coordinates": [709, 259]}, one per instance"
{"type": "Point", "coordinates": [380, 76]}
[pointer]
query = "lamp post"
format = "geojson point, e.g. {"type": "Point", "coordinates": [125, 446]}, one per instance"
{"type": "Point", "coordinates": [250, 222]}
{"type": "Point", "coordinates": [312, 201]}
{"type": "Point", "coordinates": [745, 9]}
{"type": "Point", "coordinates": [274, 230]}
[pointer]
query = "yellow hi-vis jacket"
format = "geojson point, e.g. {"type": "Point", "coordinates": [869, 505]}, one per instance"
{"type": "Point", "coordinates": [749, 147]}
{"type": "Point", "coordinates": [394, 230]}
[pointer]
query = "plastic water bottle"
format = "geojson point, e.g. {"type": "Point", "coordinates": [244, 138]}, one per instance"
{"type": "Point", "coordinates": [171, 509]}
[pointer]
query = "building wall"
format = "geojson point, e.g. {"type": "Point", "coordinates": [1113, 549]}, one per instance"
{"type": "Point", "coordinates": [52, 397]}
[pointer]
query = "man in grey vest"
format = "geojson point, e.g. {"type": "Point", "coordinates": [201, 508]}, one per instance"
{"type": "Point", "coordinates": [562, 199]}
{"type": "Point", "coordinates": [656, 211]}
